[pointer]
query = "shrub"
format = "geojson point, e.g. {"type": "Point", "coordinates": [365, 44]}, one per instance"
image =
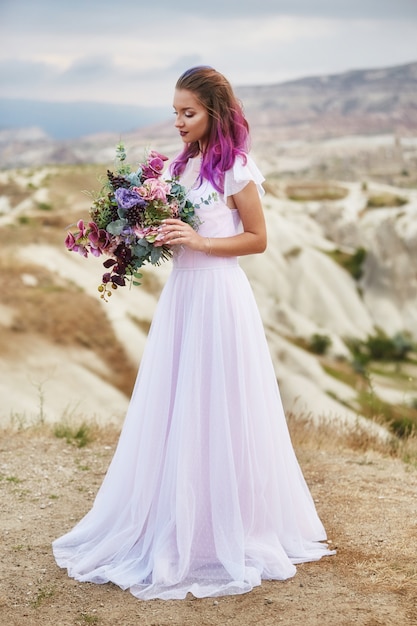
{"type": "Point", "coordinates": [381, 200]}
{"type": "Point", "coordinates": [379, 347]}
{"type": "Point", "coordinates": [352, 263]}
{"type": "Point", "coordinates": [319, 344]}
{"type": "Point", "coordinates": [382, 348]}
{"type": "Point", "coordinates": [44, 206]}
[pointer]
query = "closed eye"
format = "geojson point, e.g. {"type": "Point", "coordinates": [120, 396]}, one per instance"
{"type": "Point", "coordinates": [186, 113]}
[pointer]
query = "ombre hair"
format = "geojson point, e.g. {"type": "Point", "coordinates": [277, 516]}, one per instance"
{"type": "Point", "coordinates": [228, 135]}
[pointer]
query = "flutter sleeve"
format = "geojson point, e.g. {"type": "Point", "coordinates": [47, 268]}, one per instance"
{"type": "Point", "coordinates": [240, 175]}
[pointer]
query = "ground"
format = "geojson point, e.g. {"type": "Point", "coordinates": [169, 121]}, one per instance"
{"type": "Point", "coordinates": [366, 499]}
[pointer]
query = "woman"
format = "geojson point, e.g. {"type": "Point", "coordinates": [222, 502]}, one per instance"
{"type": "Point", "coordinates": [204, 493]}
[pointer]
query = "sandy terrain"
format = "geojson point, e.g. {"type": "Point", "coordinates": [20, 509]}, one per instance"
{"type": "Point", "coordinates": [367, 502]}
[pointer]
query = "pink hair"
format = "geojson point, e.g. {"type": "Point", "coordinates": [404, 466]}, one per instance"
{"type": "Point", "coordinates": [229, 129]}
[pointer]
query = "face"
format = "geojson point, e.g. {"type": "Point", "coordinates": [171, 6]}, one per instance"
{"type": "Point", "coordinates": [192, 118]}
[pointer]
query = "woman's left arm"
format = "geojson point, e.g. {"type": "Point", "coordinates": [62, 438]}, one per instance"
{"type": "Point", "coordinates": [251, 241]}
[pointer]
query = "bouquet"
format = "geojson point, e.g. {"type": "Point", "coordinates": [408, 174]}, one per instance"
{"type": "Point", "coordinates": [125, 218]}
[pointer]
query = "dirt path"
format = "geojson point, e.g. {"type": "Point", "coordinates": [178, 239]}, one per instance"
{"type": "Point", "coordinates": [367, 502]}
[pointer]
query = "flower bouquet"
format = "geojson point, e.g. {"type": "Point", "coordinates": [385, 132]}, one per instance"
{"type": "Point", "coordinates": [125, 218]}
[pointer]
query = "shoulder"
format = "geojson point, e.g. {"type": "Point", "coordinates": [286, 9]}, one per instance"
{"type": "Point", "coordinates": [240, 174]}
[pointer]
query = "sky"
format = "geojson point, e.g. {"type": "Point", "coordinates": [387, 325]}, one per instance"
{"type": "Point", "coordinates": [132, 51]}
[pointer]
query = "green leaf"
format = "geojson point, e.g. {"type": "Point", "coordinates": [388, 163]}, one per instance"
{"type": "Point", "coordinates": [116, 227]}
{"type": "Point", "coordinates": [141, 248]}
{"type": "Point", "coordinates": [156, 254]}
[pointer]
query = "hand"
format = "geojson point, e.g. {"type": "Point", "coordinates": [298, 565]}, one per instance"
{"type": "Point", "coordinates": [179, 233]}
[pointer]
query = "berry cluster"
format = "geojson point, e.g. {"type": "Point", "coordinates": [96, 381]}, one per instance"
{"type": "Point", "coordinates": [134, 215]}
{"type": "Point", "coordinates": [116, 181]}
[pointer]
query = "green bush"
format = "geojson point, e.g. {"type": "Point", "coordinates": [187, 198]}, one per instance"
{"type": "Point", "coordinates": [382, 348]}
{"type": "Point", "coordinates": [319, 344]}
{"type": "Point", "coordinates": [379, 347]}
{"type": "Point", "coordinates": [44, 206]}
{"type": "Point", "coordinates": [352, 263]}
{"type": "Point", "coordinates": [355, 264]}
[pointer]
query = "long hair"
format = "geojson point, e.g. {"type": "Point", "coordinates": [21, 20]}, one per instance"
{"type": "Point", "coordinates": [228, 128]}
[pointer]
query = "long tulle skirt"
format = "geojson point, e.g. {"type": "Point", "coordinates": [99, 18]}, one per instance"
{"type": "Point", "coordinates": [204, 493]}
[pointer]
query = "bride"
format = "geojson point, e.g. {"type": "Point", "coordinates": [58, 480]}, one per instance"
{"type": "Point", "coordinates": [204, 493]}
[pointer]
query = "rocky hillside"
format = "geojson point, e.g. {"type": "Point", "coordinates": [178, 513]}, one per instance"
{"type": "Point", "coordinates": [337, 287]}
{"type": "Point", "coordinates": [337, 283]}
{"type": "Point", "coordinates": [355, 102]}
{"type": "Point", "coordinates": [362, 102]}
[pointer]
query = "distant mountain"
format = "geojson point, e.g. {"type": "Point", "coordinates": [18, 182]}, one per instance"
{"type": "Point", "coordinates": [369, 101]}
{"type": "Point", "coordinates": [360, 102]}
{"type": "Point", "coordinates": [70, 120]}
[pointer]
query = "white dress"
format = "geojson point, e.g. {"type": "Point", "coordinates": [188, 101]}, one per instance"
{"type": "Point", "coordinates": [204, 493]}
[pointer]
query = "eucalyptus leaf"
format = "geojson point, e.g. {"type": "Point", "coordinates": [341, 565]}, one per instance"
{"type": "Point", "coordinates": [156, 254]}
{"type": "Point", "coordinates": [141, 247]}
{"type": "Point", "coordinates": [116, 227]}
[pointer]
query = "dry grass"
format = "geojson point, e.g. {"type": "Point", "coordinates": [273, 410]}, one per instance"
{"type": "Point", "coordinates": [315, 191]}
{"type": "Point", "coordinates": [64, 315]}
{"type": "Point", "coordinates": [328, 435]}
{"type": "Point", "coordinates": [364, 497]}
{"type": "Point", "coordinates": [14, 192]}
{"type": "Point", "coordinates": [385, 199]}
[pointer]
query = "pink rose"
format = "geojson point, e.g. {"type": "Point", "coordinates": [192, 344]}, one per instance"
{"type": "Point", "coordinates": [151, 234]}
{"type": "Point", "coordinates": [153, 189]}
{"type": "Point", "coordinates": [174, 208]}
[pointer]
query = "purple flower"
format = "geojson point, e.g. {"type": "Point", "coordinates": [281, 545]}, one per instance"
{"type": "Point", "coordinates": [155, 154]}
{"type": "Point", "coordinates": [98, 238]}
{"type": "Point", "coordinates": [70, 242]}
{"type": "Point", "coordinates": [128, 198]}
{"type": "Point", "coordinates": [78, 242]}
{"type": "Point", "coordinates": [154, 166]}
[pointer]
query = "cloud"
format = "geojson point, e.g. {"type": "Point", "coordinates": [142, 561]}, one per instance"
{"type": "Point", "coordinates": [83, 15]}
{"type": "Point", "coordinates": [29, 72]}
{"type": "Point", "coordinates": [90, 70]}
{"type": "Point", "coordinates": [92, 78]}
{"type": "Point", "coordinates": [129, 53]}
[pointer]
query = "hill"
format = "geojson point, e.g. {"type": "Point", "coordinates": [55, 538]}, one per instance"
{"type": "Point", "coordinates": [337, 287]}
{"type": "Point", "coordinates": [336, 284]}
{"type": "Point", "coordinates": [362, 102]}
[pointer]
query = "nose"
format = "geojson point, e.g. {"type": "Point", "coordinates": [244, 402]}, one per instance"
{"type": "Point", "coordinates": [178, 122]}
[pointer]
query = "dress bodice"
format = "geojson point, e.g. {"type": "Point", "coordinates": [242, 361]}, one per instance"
{"type": "Point", "coordinates": [215, 218]}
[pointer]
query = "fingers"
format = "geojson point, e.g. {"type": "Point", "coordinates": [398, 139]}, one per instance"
{"type": "Point", "coordinates": [174, 232]}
